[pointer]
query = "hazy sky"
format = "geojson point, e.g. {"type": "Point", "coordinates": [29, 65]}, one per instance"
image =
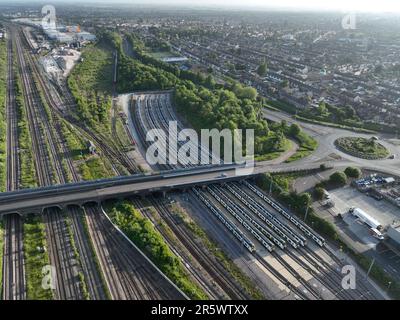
{"type": "Point", "coordinates": [345, 5]}
{"type": "Point", "coordinates": [337, 5]}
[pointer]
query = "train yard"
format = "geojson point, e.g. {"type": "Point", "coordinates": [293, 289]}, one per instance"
{"type": "Point", "coordinates": [90, 258]}
{"type": "Point", "coordinates": [71, 247]}
{"type": "Point", "coordinates": [13, 262]}
{"type": "Point", "coordinates": [268, 231]}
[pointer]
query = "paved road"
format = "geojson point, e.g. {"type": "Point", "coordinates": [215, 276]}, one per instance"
{"type": "Point", "coordinates": [326, 150]}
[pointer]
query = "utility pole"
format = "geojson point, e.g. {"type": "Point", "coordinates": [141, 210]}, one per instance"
{"type": "Point", "coordinates": [270, 187]}
{"type": "Point", "coordinates": [305, 216]}
{"type": "Point", "coordinates": [370, 268]}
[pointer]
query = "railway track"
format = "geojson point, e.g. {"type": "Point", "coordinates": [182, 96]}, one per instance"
{"type": "Point", "coordinates": [183, 255]}
{"type": "Point", "coordinates": [331, 275]}
{"type": "Point", "coordinates": [58, 105]}
{"type": "Point", "coordinates": [136, 279]}
{"type": "Point", "coordinates": [14, 287]}
{"type": "Point", "coordinates": [86, 262]}
{"type": "Point", "coordinates": [212, 266]}
{"type": "Point", "coordinates": [48, 171]}
{"type": "Point", "coordinates": [67, 282]}
{"type": "Point", "coordinates": [155, 112]}
{"type": "Point", "coordinates": [363, 290]}
{"type": "Point", "coordinates": [146, 121]}
{"type": "Point", "coordinates": [121, 282]}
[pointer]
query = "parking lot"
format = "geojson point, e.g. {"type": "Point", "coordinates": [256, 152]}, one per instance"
{"type": "Point", "coordinates": [382, 211]}
{"type": "Point", "coordinates": [356, 233]}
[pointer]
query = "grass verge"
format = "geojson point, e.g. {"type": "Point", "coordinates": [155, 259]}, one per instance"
{"type": "Point", "coordinates": [28, 172]}
{"type": "Point", "coordinates": [36, 258]}
{"type": "Point", "coordinates": [141, 231]}
{"type": "Point", "coordinates": [82, 282]}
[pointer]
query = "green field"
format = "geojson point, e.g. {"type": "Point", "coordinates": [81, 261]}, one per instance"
{"type": "Point", "coordinates": [94, 168]}
{"type": "Point", "coordinates": [285, 146]}
{"type": "Point", "coordinates": [307, 146]}
{"type": "Point", "coordinates": [362, 147]}
{"type": "Point", "coordinates": [95, 72]}
{"type": "Point", "coordinates": [161, 54]}
{"type": "Point", "coordinates": [91, 84]}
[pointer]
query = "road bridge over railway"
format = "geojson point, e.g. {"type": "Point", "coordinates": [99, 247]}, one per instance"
{"type": "Point", "coordinates": [81, 193]}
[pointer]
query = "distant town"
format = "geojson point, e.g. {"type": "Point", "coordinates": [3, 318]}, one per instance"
{"type": "Point", "coordinates": [293, 194]}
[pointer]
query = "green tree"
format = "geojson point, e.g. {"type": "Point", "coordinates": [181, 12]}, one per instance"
{"type": "Point", "coordinates": [319, 193]}
{"type": "Point", "coordinates": [350, 112]}
{"type": "Point", "coordinates": [285, 84]}
{"type": "Point", "coordinates": [262, 69]}
{"type": "Point", "coordinates": [304, 199]}
{"type": "Point", "coordinates": [322, 110]}
{"type": "Point", "coordinates": [338, 178]}
{"type": "Point", "coordinates": [248, 93]}
{"type": "Point", "coordinates": [294, 130]}
{"type": "Point", "coordinates": [352, 172]}
{"type": "Point", "coordinates": [210, 82]}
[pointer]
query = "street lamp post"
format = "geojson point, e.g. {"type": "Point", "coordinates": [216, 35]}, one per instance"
{"type": "Point", "coordinates": [370, 268]}
{"type": "Point", "coordinates": [305, 215]}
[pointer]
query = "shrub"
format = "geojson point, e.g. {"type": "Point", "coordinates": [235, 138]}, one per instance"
{"type": "Point", "coordinates": [319, 193]}
{"type": "Point", "coordinates": [338, 178]}
{"type": "Point", "coordinates": [352, 172]}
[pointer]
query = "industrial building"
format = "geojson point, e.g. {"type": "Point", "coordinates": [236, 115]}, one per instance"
{"type": "Point", "coordinates": [64, 34]}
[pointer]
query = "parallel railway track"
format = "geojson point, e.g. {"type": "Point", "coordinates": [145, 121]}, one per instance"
{"type": "Point", "coordinates": [14, 287]}
{"type": "Point", "coordinates": [121, 278]}
{"type": "Point", "coordinates": [48, 171]}
{"type": "Point", "coordinates": [183, 255]}
{"type": "Point", "coordinates": [152, 111]}
{"type": "Point", "coordinates": [125, 267]}
{"type": "Point", "coordinates": [212, 266]}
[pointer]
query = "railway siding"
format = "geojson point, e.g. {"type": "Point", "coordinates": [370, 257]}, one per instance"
{"type": "Point", "coordinates": [28, 172]}
{"type": "Point", "coordinates": [1, 253]}
{"type": "Point", "coordinates": [3, 131]}
{"type": "Point", "coordinates": [143, 234]}
{"type": "Point", "coordinates": [48, 171]}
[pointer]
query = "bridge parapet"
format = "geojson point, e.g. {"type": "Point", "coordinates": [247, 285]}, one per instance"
{"type": "Point", "coordinates": [79, 194]}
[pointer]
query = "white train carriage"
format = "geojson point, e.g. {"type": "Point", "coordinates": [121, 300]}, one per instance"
{"type": "Point", "coordinates": [301, 225]}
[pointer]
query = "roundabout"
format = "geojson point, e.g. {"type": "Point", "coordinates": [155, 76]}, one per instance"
{"type": "Point", "coordinates": [360, 147]}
